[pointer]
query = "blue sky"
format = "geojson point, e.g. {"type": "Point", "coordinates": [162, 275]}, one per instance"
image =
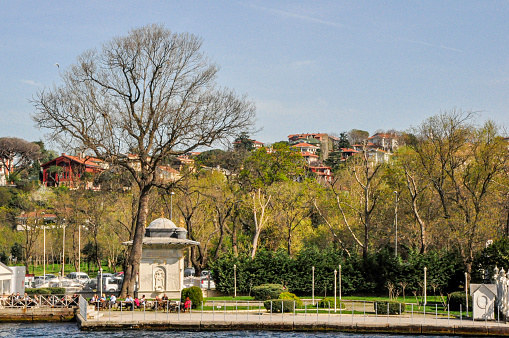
{"type": "Point", "coordinates": [310, 66]}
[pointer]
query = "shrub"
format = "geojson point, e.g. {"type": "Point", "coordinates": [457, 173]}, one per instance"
{"type": "Point", "coordinates": [267, 291]}
{"type": "Point", "coordinates": [394, 306]}
{"type": "Point", "coordinates": [324, 303]}
{"type": "Point", "coordinates": [39, 291]}
{"type": "Point", "coordinates": [57, 291]}
{"type": "Point", "coordinates": [195, 295]}
{"type": "Point", "coordinates": [456, 298]}
{"type": "Point", "coordinates": [45, 291]}
{"type": "Point", "coordinates": [291, 296]}
{"type": "Point", "coordinates": [278, 304]}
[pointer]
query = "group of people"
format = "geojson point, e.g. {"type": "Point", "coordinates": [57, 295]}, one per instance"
{"type": "Point", "coordinates": [103, 302]}
{"type": "Point", "coordinates": [18, 300]}
{"type": "Point", "coordinates": [25, 300]}
{"type": "Point", "coordinates": [138, 303]}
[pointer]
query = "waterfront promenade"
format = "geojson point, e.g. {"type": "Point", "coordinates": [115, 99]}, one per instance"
{"type": "Point", "coordinates": [261, 320]}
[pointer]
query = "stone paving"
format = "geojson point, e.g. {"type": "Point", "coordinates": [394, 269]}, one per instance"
{"type": "Point", "coordinates": [255, 316]}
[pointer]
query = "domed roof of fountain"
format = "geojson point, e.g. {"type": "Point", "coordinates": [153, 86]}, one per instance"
{"type": "Point", "coordinates": [161, 223]}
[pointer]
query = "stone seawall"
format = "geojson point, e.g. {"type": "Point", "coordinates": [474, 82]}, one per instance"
{"type": "Point", "coordinates": [38, 315]}
{"type": "Point", "coordinates": [183, 325]}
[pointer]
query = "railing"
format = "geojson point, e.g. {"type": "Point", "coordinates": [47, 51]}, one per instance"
{"type": "Point", "coordinates": [52, 301]}
{"type": "Point", "coordinates": [347, 311]}
{"type": "Point", "coordinates": [83, 307]}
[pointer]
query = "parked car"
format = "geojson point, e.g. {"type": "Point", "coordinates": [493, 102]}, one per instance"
{"type": "Point", "coordinates": [90, 286]}
{"type": "Point", "coordinates": [112, 284]}
{"type": "Point", "coordinates": [79, 277]}
{"type": "Point", "coordinates": [206, 281]}
{"type": "Point", "coordinates": [189, 272]}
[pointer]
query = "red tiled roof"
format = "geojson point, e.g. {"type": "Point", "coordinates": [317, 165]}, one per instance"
{"type": "Point", "coordinates": [87, 160]}
{"type": "Point", "coordinates": [303, 145]}
{"type": "Point", "coordinates": [385, 135]}
{"type": "Point", "coordinates": [308, 154]}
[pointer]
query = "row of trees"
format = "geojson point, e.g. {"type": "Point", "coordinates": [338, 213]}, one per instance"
{"type": "Point", "coordinates": [153, 94]}
{"type": "Point", "coordinates": [448, 186]}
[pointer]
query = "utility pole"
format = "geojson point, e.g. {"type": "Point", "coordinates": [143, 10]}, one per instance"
{"type": "Point", "coordinates": [396, 225]}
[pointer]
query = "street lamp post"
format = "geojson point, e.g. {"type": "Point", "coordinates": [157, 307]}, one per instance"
{"type": "Point", "coordinates": [425, 286]}
{"type": "Point", "coordinates": [44, 254]}
{"type": "Point", "coordinates": [396, 225]}
{"type": "Point", "coordinates": [171, 205]}
{"type": "Point", "coordinates": [466, 290]}
{"type": "Point", "coordinates": [101, 281]}
{"type": "Point", "coordinates": [313, 284]}
{"type": "Point", "coordinates": [339, 283]}
{"type": "Point", "coordinates": [63, 249]}
{"type": "Point", "coordinates": [335, 287]}
{"type": "Point", "coordinates": [235, 279]}
{"type": "Point", "coordinates": [79, 247]}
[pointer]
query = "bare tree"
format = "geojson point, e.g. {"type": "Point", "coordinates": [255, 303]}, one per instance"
{"type": "Point", "coordinates": [152, 94]}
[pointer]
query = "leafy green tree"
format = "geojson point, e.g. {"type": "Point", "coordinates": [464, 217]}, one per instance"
{"type": "Point", "coordinates": [243, 142]}
{"type": "Point", "coordinates": [344, 141]}
{"type": "Point", "coordinates": [266, 166]}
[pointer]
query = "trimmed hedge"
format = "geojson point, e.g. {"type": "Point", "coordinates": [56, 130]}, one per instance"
{"type": "Point", "coordinates": [267, 291]}
{"type": "Point", "coordinates": [324, 303]}
{"type": "Point", "coordinates": [195, 295]}
{"type": "Point", "coordinates": [278, 304]}
{"type": "Point", "coordinates": [394, 306]}
{"type": "Point", "coordinates": [293, 297]}
{"type": "Point", "coordinates": [45, 291]}
{"type": "Point", "coordinates": [456, 298]}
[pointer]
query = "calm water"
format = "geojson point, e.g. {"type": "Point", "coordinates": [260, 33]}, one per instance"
{"type": "Point", "coordinates": [71, 330]}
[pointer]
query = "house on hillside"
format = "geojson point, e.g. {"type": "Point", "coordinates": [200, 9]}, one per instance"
{"type": "Point", "coordinates": [166, 174]}
{"type": "Point", "coordinates": [70, 171]}
{"type": "Point", "coordinates": [256, 144]}
{"type": "Point", "coordinates": [308, 151]}
{"type": "Point", "coordinates": [378, 156]}
{"type": "Point", "coordinates": [324, 142]}
{"type": "Point", "coordinates": [181, 162]}
{"type": "Point", "coordinates": [322, 173]}
{"type": "Point", "coordinates": [36, 218]}
{"type": "Point", "coordinates": [347, 152]}
{"type": "Point", "coordinates": [385, 141]}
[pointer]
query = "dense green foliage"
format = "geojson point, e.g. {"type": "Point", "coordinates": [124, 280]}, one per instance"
{"type": "Point", "coordinates": [328, 302]}
{"type": "Point", "coordinates": [494, 255]}
{"type": "Point", "coordinates": [279, 305]}
{"type": "Point", "coordinates": [45, 291]}
{"type": "Point", "coordinates": [291, 296]}
{"type": "Point", "coordinates": [195, 295]}
{"type": "Point", "coordinates": [267, 291]}
{"type": "Point", "coordinates": [358, 276]}
{"type": "Point", "coordinates": [395, 308]}
{"type": "Point", "coordinates": [458, 298]}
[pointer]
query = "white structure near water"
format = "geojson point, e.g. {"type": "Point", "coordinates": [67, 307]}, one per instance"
{"type": "Point", "coordinates": [162, 259]}
{"type": "Point", "coordinates": [12, 279]}
{"type": "Point", "coordinates": [501, 280]}
{"type": "Point", "coordinates": [483, 300]}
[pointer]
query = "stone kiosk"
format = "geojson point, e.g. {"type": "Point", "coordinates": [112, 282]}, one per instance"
{"type": "Point", "coordinates": [483, 299]}
{"type": "Point", "coordinates": [162, 259]}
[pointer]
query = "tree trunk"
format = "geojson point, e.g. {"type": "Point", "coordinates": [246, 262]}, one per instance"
{"type": "Point", "coordinates": [133, 266]}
